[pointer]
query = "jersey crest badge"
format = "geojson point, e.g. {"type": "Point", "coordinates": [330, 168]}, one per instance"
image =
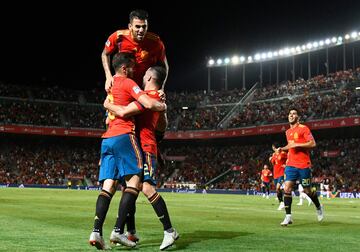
{"type": "Point", "coordinates": [144, 55]}
{"type": "Point", "coordinates": [296, 136]}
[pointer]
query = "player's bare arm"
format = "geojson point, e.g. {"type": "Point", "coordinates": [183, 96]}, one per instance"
{"type": "Point", "coordinates": [166, 64]}
{"type": "Point", "coordinates": [122, 111]}
{"type": "Point", "coordinates": [308, 145]}
{"type": "Point", "coordinates": [151, 103]}
{"type": "Point", "coordinates": [162, 122]}
{"type": "Point", "coordinates": [105, 58]}
{"type": "Point", "coordinates": [273, 147]}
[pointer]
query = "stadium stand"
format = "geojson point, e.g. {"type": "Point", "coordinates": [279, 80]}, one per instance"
{"type": "Point", "coordinates": [221, 164]}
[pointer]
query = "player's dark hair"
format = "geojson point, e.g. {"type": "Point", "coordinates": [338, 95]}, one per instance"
{"type": "Point", "coordinates": [159, 74]}
{"type": "Point", "coordinates": [122, 59]}
{"type": "Point", "coordinates": [296, 109]}
{"type": "Point", "coordinates": [140, 14]}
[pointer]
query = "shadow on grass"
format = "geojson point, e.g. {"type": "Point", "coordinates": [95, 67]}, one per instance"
{"type": "Point", "coordinates": [315, 224]}
{"type": "Point", "coordinates": [197, 236]}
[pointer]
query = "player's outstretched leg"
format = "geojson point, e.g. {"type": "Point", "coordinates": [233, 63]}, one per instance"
{"type": "Point", "coordinates": [97, 241]}
{"type": "Point", "coordinates": [288, 201]}
{"type": "Point", "coordinates": [319, 208]}
{"type": "Point", "coordinates": [320, 213]}
{"type": "Point", "coordinates": [102, 206]}
{"type": "Point", "coordinates": [169, 239]}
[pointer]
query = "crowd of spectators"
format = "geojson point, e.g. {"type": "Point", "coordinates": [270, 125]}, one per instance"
{"type": "Point", "coordinates": [30, 113]}
{"type": "Point", "coordinates": [51, 114]}
{"type": "Point", "coordinates": [50, 92]}
{"type": "Point", "coordinates": [49, 161]}
{"type": "Point", "coordinates": [52, 162]}
{"type": "Point", "coordinates": [313, 106]}
{"type": "Point", "coordinates": [318, 98]}
{"type": "Point", "coordinates": [205, 163]}
{"type": "Point", "coordinates": [300, 86]}
{"type": "Point", "coordinates": [342, 168]}
{"type": "Point", "coordinates": [12, 90]}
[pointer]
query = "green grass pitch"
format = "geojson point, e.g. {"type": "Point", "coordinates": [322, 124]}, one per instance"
{"type": "Point", "coordinates": [61, 220]}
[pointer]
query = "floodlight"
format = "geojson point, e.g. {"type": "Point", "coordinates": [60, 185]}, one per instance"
{"type": "Point", "coordinates": [235, 60]}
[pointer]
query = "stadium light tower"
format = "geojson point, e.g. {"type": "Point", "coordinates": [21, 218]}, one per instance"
{"type": "Point", "coordinates": [309, 48]}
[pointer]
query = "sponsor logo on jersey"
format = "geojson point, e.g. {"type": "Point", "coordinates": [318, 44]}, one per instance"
{"type": "Point", "coordinates": [136, 89]}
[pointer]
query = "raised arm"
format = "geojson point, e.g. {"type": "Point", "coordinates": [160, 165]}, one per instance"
{"type": "Point", "coordinates": [166, 65]}
{"type": "Point", "coordinates": [105, 59]}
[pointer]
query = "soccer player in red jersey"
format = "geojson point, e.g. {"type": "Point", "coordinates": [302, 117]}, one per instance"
{"type": "Point", "coordinates": [121, 155]}
{"type": "Point", "coordinates": [278, 160]}
{"type": "Point", "coordinates": [147, 47]}
{"type": "Point", "coordinates": [298, 164]}
{"type": "Point", "coordinates": [265, 180]}
{"type": "Point", "coordinates": [147, 123]}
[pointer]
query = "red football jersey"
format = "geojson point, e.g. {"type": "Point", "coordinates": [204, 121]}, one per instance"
{"type": "Point", "coordinates": [278, 160]}
{"type": "Point", "coordinates": [124, 91]}
{"type": "Point", "coordinates": [148, 52]}
{"type": "Point", "coordinates": [265, 175]}
{"type": "Point", "coordinates": [299, 157]}
{"type": "Point", "coordinates": [146, 124]}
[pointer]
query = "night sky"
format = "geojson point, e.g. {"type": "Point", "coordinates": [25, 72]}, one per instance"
{"type": "Point", "coordinates": [61, 44]}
